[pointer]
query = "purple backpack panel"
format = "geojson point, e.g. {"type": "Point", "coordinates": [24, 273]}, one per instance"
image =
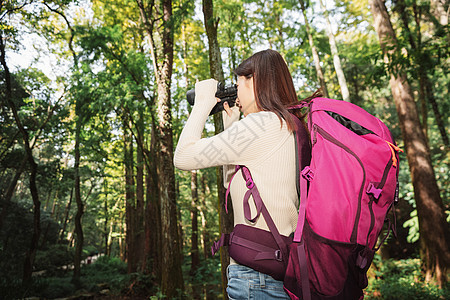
{"type": "Point", "coordinates": [332, 270]}
{"type": "Point", "coordinates": [258, 249]}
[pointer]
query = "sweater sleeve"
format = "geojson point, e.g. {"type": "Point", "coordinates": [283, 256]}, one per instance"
{"type": "Point", "coordinates": [228, 170]}
{"type": "Point", "coordinates": [245, 141]}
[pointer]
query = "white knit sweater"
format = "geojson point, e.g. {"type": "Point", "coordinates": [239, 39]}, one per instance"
{"type": "Point", "coordinates": [261, 143]}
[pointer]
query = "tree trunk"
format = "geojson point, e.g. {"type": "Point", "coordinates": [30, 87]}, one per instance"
{"type": "Point", "coordinates": [315, 54]}
{"type": "Point", "coordinates": [10, 191]}
{"type": "Point", "coordinates": [172, 277]}
{"type": "Point", "coordinates": [78, 201]}
{"type": "Point", "coordinates": [66, 216]}
{"type": "Point", "coordinates": [420, 71]}
{"type": "Point", "coordinates": [158, 22]}
{"type": "Point", "coordinates": [425, 87]}
{"type": "Point", "coordinates": [153, 213]}
{"type": "Point", "coordinates": [31, 252]}
{"type": "Point", "coordinates": [122, 244]}
{"type": "Point", "coordinates": [130, 197]}
{"type": "Point", "coordinates": [206, 239]}
{"type": "Point", "coordinates": [336, 59]}
{"type": "Point", "coordinates": [106, 231]}
{"type": "Point", "coordinates": [139, 231]}
{"type": "Point", "coordinates": [215, 65]}
{"type": "Point", "coordinates": [195, 257]}
{"type": "Point", "coordinates": [433, 228]}
{"type": "Point", "coordinates": [438, 116]}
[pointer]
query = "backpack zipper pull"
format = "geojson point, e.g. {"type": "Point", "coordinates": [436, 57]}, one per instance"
{"type": "Point", "coordinates": [393, 149]}
{"type": "Point", "coordinates": [314, 135]}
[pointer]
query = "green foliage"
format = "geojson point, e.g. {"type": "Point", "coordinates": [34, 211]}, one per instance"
{"type": "Point", "coordinates": [105, 274]}
{"type": "Point", "coordinates": [52, 259]}
{"type": "Point", "coordinates": [105, 264]}
{"type": "Point", "coordinates": [14, 240]}
{"type": "Point", "coordinates": [413, 225]}
{"type": "Point", "coordinates": [208, 276]}
{"type": "Point", "coordinates": [401, 280]}
{"type": "Point", "coordinates": [53, 287]}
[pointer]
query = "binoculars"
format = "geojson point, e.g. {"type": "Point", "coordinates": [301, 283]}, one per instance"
{"type": "Point", "coordinates": [224, 93]}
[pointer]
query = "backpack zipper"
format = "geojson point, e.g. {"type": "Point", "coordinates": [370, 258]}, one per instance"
{"type": "Point", "coordinates": [373, 199]}
{"type": "Point", "coordinates": [329, 137]}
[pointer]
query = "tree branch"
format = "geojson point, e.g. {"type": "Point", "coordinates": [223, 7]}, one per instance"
{"type": "Point", "coordinates": [148, 26]}
{"type": "Point", "coordinates": [72, 31]}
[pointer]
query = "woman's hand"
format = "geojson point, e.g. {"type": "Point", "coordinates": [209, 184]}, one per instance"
{"type": "Point", "coordinates": [226, 108]}
{"type": "Point", "coordinates": [229, 114]}
{"type": "Point", "coordinates": [205, 92]}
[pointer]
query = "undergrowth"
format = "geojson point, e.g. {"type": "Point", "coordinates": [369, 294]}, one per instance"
{"type": "Point", "coordinates": [401, 280]}
{"type": "Point", "coordinates": [108, 278]}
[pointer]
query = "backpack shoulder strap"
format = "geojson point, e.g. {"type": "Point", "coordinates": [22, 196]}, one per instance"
{"type": "Point", "coordinates": [261, 209]}
{"type": "Point", "coordinates": [303, 159]}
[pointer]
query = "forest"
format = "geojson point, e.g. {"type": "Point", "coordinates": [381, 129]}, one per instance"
{"type": "Point", "coordinates": [93, 101]}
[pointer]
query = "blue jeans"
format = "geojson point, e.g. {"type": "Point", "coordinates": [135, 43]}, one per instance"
{"type": "Point", "coordinates": [246, 283]}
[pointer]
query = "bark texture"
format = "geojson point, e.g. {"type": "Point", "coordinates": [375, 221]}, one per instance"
{"type": "Point", "coordinates": [158, 24]}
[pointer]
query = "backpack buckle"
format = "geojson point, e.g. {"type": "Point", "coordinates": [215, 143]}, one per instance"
{"type": "Point", "coordinates": [307, 173]}
{"type": "Point", "coordinates": [249, 183]}
{"type": "Point", "coordinates": [278, 255]}
{"type": "Point", "coordinates": [371, 189]}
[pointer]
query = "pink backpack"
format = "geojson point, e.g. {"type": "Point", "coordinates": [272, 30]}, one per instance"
{"type": "Point", "coordinates": [353, 183]}
{"type": "Point", "coordinates": [348, 183]}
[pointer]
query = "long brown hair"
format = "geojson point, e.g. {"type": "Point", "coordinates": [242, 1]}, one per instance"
{"type": "Point", "coordinates": [272, 83]}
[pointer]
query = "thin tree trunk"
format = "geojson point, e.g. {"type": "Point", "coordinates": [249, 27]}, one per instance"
{"type": "Point", "coordinates": [130, 198]}
{"type": "Point", "coordinates": [425, 81]}
{"type": "Point", "coordinates": [335, 53]}
{"type": "Point", "coordinates": [109, 239]}
{"type": "Point", "coordinates": [438, 116]}
{"type": "Point", "coordinates": [66, 216]}
{"type": "Point", "coordinates": [139, 231]}
{"type": "Point", "coordinates": [195, 257]}
{"type": "Point", "coordinates": [106, 232]}
{"type": "Point", "coordinates": [10, 191]}
{"type": "Point", "coordinates": [206, 240]}
{"type": "Point", "coordinates": [153, 213]}
{"type": "Point", "coordinates": [401, 8]}
{"type": "Point", "coordinates": [426, 88]}
{"type": "Point", "coordinates": [215, 66]}
{"type": "Point", "coordinates": [122, 230]}
{"type": "Point", "coordinates": [31, 252]}
{"type": "Point", "coordinates": [433, 227]}
{"type": "Point", "coordinates": [315, 54]}
{"type": "Point", "coordinates": [80, 206]}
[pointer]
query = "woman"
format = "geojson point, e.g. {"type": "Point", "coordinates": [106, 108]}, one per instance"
{"type": "Point", "coordinates": [263, 141]}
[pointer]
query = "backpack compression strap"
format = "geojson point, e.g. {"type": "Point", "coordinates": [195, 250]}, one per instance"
{"type": "Point", "coordinates": [303, 156]}
{"type": "Point", "coordinates": [265, 253]}
{"type": "Point", "coordinates": [261, 208]}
